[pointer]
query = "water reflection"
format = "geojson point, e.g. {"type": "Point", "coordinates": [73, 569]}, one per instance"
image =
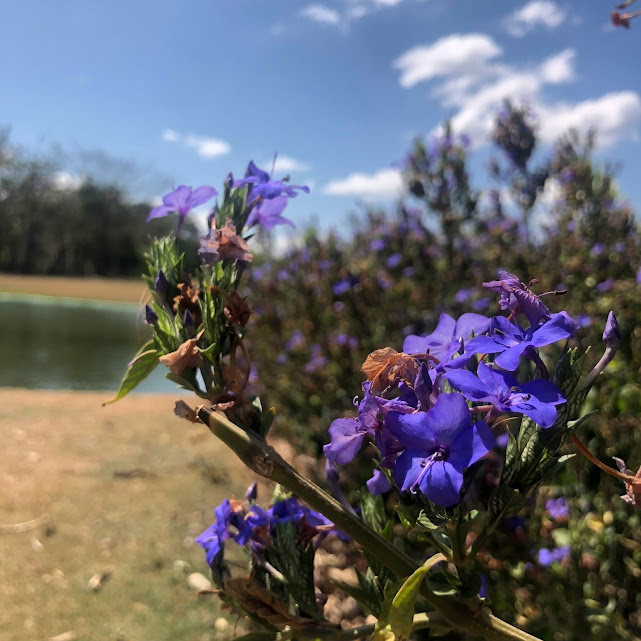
{"type": "Point", "coordinates": [70, 344]}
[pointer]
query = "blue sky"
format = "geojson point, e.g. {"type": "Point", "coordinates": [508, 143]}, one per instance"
{"type": "Point", "coordinates": [191, 89]}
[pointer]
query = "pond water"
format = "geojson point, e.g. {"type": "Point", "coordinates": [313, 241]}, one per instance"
{"type": "Point", "coordinates": [48, 343]}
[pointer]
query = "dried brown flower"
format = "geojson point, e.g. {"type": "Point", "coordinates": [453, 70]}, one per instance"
{"type": "Point", "coordinates": [187, 355]}
{"type": "Point", "coordinates": [236, 309]}
{"type": "Point", "coordinates": [386, 367]}
{"type": "Point", "coordinates": [223, 244]}
{"type": "Point", "coordinates": [187, 299]}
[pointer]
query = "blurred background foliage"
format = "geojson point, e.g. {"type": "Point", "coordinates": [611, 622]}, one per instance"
{"type": "Point", "coordinates": [321, 307]}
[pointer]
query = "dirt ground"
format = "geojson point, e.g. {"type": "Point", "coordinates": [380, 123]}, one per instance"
{"type": "Point", "coordinates": [107, 289]}
{"type": "Point", "coordinates": [119, 492]}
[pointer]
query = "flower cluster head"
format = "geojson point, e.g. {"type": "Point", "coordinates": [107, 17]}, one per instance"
{"type": "Point", "coordinates": [249, 524]}
{"type": "Point", "coordinates": [268, 197]}
{"type": "Point", "coordinates": [419, 404]}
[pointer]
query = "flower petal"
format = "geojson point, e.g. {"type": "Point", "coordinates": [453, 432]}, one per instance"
{"type": "Point", "coordinates": [442, 483]}
{"type": "Point", "coordinates": [471, 445]}
{"type": "Point", "coordinates": [408, 467]}
{"type": "Point", "coordinates": [177, 198]}
{"type": "Point", "coordinates": [200, 196]}
{"type": "Point", "coordinates": [413, 430]}
{"type": "Point", "coordinates": [346, 441]}
{"type": "Point", "coordinates": [159, 212]}
{"type": "Point", "coordinates": [448, 418]}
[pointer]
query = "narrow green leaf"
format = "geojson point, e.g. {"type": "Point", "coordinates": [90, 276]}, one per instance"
{"type": "Point", "coordinates": [511, 459]}
{"type": "Point", "coordinates": [142, 365]}
{"type": "Point", "coordinates": [401, 614]}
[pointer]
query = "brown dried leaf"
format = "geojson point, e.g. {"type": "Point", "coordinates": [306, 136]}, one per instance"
{"type": "Point", "coordinates": [182, 410]}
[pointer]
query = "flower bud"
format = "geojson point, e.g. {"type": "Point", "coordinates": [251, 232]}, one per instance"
{"type": "Point", "coordinates": [150, 315]}
{"type": "Point", "coordinates": [252, 492]}
{"type": "Point", "coordinates": [188, 319]}
{"type": "Point", "coordinates": [161, 286]}
{"type": "Point", "coordinates": [612, 333]}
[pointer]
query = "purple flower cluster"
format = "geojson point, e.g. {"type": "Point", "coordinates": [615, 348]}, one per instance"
{"type": "Point", "coordinates": [421, 428]}
{"type": "Point", "coordinates": [249, 524]}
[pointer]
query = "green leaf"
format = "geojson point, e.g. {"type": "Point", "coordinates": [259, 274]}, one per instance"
{"type": "Point", "coordinates": [511, 460]}
{"type": "Point", "coordinates": [367, 592]}
{"type": "Point", "coordinates": [142, 365]}
{"type": "Point", "coordinates": [296, 562]}
{"type": "Point", "coordinates": [373, 511]}
{"type": "Point", "coordinates": [505, 502]}
{"type": "Point", "coordinates": [401, 613]}
{"type": "Point", "coordinates": [526, 430]}
{"type": "Point", "coordinates": [208, 351]}
{"type": "Point", "coordinates": [267, 420]}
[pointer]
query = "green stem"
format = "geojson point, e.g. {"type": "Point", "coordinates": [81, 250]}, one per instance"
{"type": "Point", "coordinates": [422, 620]}
{"type": "Point", "coordinates": [260, 457]}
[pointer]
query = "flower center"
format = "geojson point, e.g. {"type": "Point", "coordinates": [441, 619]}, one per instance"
{"type": "Point", "coordinates": [440, 454]}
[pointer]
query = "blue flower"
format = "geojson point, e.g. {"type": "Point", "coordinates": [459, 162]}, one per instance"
{"type": "Point", "coordinates": [510, 341]}
{"type": "Point", "coordinates": [444, 341]}
{"type": "Point", "coordinates": [556, 555]}
{"type": "Point", "coordinates": [536, 399]}
{"type": "Point", "coordinates": [441, 444]}
{"type": "Point", "coordinates": [268, 196]}
{"type": "Point", "coordinates": [557, 508]}
{"type": "Point", "coordinates": [181, 201]}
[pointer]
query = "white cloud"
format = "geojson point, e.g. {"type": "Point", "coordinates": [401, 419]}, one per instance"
{"type": "Point", "coordinates": [208, 147]}
{"type": "Point", "coordinates": [349, 11]}
{"type": "Point", "coordinates": [613, 116]}
{"type": "Point", "coordinates": [533, 14]}
{"type": "Point", "coordinates": [456, 53]}
{"type": "Point", "coordinates": [321, 13]}
{"type": "Point", "coordinates": [384, 184]}
{"type": "Point", "coordinates": [170, 135]}
{"type": "Point", "coordinates": [203, 145]}
{"type": "Point", "coordinates": [558, 69]}
{"type": "Point", "coordinates": [472, 83]}
{"type": "Point", "coordinates": [286, 164]}
{"type": "Point", "coordinates": [65, 181]}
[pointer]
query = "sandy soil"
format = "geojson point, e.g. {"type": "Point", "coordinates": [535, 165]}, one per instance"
{"type": "Point", "coordinates": [121, 490]}
{"type": "Point", "coordinates": [121, 290]}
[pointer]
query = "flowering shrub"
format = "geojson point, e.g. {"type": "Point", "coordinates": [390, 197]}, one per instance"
{"type": "Point", "coordinates": [432, 418]}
